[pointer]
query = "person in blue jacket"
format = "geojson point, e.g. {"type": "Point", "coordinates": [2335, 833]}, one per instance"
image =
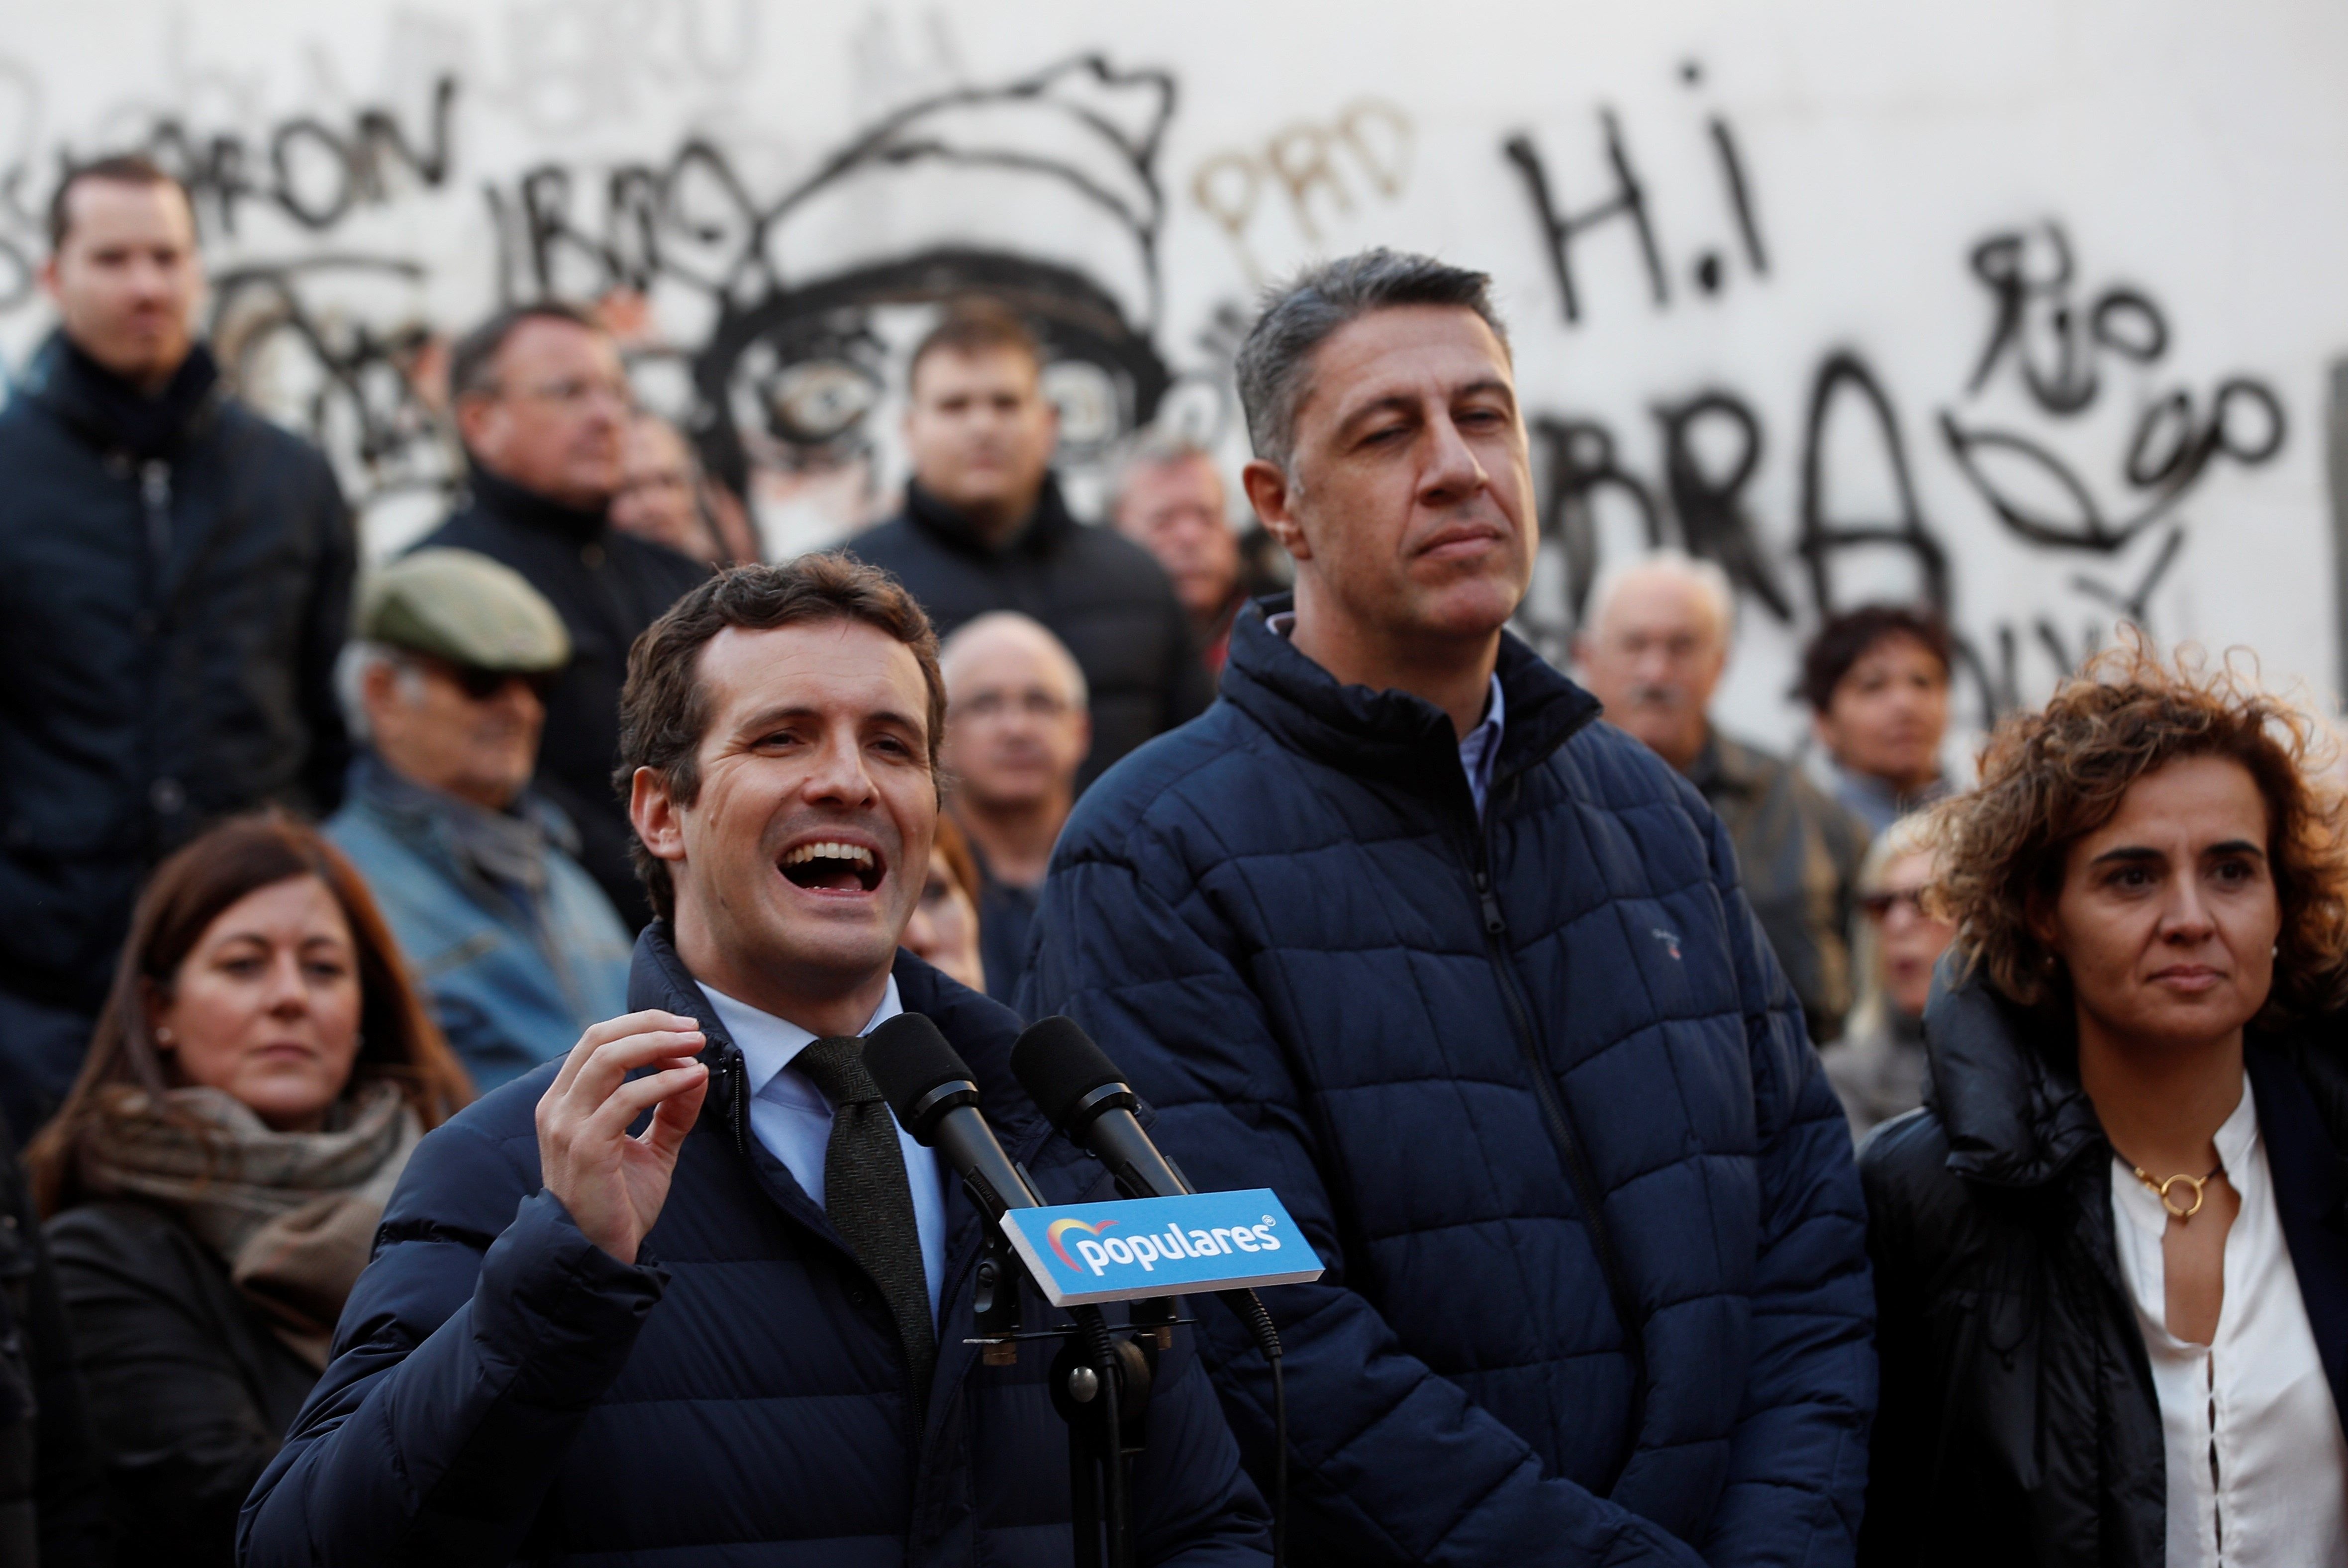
{"type": "Point", "coordinates": [1399, 931]}
{"type": "Point", "coordinates": [742, 1333]}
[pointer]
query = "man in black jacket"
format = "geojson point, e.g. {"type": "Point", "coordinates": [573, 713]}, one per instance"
{"type": "Point", "coordinates": [985, 527]}
{"type": "Point", "coordinates": [542, 404]}
{"type": "Point", "coordinates": [175, 579]}
{"type": "Point", "coordinates": [742, 1335]}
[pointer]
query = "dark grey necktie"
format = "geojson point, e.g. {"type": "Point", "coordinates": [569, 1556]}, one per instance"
{"type": "Point", "coordinates": [869, 1200]}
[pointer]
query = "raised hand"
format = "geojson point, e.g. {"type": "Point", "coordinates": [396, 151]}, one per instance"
{"type": "Point", "coordinates": [611, 1184]}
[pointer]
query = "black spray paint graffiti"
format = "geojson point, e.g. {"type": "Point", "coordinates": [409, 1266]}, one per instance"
{"type": "Point", "coordinates": [1712, 441]}
{"type": "Point", "coordinates": [1627, 202]}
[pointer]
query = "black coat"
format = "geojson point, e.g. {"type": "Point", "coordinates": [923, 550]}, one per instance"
{"type": "Point", "coordinates": [608, 586]}
{"type": "Point", "coordinates": [190, 1391]}
{"type": "Point", "coordinates": [504, 1388]}
{"type": "Point", "coordinates": [52, 1488]}
{"type": "Point", "coordinates": [1102, 594]}
{"type": "Point", "coordinates": [169, 623]}
{"type": "Point", "coordinates": [2019, 1421]}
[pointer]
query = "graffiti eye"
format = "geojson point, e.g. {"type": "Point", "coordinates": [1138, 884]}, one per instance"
{"type": "Point", "coordinates": [1092, 414]}
{"type": "Point", "coordinates": [818, 400]}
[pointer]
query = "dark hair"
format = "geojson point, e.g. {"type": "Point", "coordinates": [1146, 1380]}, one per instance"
{"type": "Point", "coordinates": [470, 360]}
{"type": "Point", "coordinates": [188, 892]}
{"type": "Point", "coordinates": [120, 169]}
{"type": "Point", "coordinates": [2051, 778]}
{"type": "Point", "coordinates": [1848, 638]}
{"type": "Point", "coordinates": [664, 708]}
{"type": "Point", "coordinates": [972, 326]}
{"type": "Point", "coordinates": [1276, 361]}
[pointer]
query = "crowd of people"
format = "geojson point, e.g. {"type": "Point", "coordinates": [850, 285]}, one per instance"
{"type": "Point", "coordinates": [432, 998]}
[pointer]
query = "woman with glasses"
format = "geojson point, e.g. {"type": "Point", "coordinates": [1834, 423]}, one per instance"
{"type": "Point", "coordinates": [1878, 1066]}
{"type": "Point", "coordinates": [2112, 1287]}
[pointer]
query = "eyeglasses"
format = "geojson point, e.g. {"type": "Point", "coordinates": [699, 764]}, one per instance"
{"type": "Point", "coordinates": [994, 704]}
{"type": "Point", "coordinates": [480, 685]}
{"type": "Point", "coordinates": [1880, 905]}
{"type": "Point", "coordinates": [575, 391]}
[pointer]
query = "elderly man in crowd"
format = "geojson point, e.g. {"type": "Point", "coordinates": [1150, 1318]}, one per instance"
{"type": "Point", "coordinates": [1398, 932]}
{"type": "Point", "coordinates": [542, 404]}
{"type": "Point", "coordinates": [175, 579]}
{"type": "Point", "coordinates": [743, 1335]}
{"type": "Point", "coordinates": [1170, 501]}
{"type": "Point", "coordinates": [514, 945]}
{"type": "Point", "coordinates": [1017, 728]}
{"type": "Point", "coordinates": [985, 527]}
{"type": "Point", "coordinates": [1877, 680]}
{"type": "Point", "coordinates": [1652, 646]}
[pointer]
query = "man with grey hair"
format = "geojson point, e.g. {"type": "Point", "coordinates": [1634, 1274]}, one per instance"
{"type": "Point", "coordinates": [1018, 724]}
{"type": "Point", "coordinates": [513, 944]}
{"type": "Point", "coordinates": [1170, 501]}
{"type": "Point", "coordinates": [1652, 646]}
{"type": "Point", "coordinates": [1396, 931]}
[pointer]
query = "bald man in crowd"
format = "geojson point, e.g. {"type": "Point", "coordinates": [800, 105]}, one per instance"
{"type": "Point", "coordinates": [1652, 646]}
{"type": "Point", "coordinates": [1018, 728]}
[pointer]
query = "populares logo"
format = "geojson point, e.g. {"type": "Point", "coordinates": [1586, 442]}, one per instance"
{"type": "Point", "coordinates": [1150, 1248]}
{"type": "Point", "coordinates": [1059, 1230]}
{"type": "Point", "coordinates": [1128, 1248]}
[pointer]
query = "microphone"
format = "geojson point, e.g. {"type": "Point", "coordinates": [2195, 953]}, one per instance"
{"type": "Point", "coordinates": [929, 1088]}
{"type": "Point", "coordinates": [1081, 1092]}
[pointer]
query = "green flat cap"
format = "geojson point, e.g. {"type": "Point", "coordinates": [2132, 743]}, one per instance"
{"type": "Point", "coordinates": [464, 607]}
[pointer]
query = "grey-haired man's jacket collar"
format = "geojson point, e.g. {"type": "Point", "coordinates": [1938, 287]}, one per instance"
{"type": "Point", "coordinates": [507, 848]}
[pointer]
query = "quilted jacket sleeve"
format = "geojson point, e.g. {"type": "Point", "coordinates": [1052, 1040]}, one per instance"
{"type": "Point", "coordinates": [465, 1362]}
{"type": "Point", "coordinates": [1388, 1462]}
{"type": "Point", "coordinates": [1798, 1465]}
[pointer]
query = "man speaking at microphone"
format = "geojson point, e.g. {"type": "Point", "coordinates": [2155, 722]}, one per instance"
{"type": "Point", "coordinates": [739, 1334]}
{"type": "Point", "coordinates": [1398, 931]}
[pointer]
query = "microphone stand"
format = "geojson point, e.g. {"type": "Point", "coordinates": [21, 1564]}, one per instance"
{"type": "Point", "coordinates": [1101, 1383]}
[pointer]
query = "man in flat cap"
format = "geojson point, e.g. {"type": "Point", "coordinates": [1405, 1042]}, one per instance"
{"type": "Point", "coordinates": [444, 684]}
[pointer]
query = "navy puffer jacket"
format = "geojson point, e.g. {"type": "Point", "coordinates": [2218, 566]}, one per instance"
{"type": "Point", "coordinates": [503, 1389]}
{"type": "Point", "coordinates": [1598, 1289]}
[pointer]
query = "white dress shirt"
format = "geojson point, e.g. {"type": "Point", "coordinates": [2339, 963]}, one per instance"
{"type": "Point", "coordinates": [2258, 1467]}
{"type": "Point", "coordinates": [792, 1118]}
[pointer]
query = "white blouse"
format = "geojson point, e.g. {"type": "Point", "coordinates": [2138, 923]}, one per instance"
{"type": "Point", "coordinates": [2257, 1467]}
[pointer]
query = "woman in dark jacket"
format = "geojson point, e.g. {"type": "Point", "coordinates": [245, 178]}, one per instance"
{"type": "Point", "coordinates": [2112, 1279]}
{"type": "Point", "coordinates": [261, 1071]}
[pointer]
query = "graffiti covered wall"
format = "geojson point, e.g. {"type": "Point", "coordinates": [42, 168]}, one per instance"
{"type": "Point", "coordinates": [2022, 305]}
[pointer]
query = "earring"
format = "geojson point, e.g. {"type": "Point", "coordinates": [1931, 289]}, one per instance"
{"type": "Point", "coordinates": [163, 1037]}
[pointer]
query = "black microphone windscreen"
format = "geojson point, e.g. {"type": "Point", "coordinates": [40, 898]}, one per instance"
{"type": "Point", "coordinates": [908, 1057]}
{"type": "Point", "coordinates": [1059, 1064]}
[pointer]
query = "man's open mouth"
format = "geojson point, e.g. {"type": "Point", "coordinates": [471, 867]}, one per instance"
{"type": "Point", "coordinates": [827, 865]}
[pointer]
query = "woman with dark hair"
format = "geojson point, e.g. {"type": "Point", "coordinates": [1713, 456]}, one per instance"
{"type": "Point", "coordinates": [2113, 1293]}
{"type": "Point", "coordinates": [259, 1074]}
{"type": "Point", "coordinates": [943, 931]}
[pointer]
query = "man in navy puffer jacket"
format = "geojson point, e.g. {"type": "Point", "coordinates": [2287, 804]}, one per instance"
{"type": "Point", "coordinates": [1397, 930]}
{"type": "Point", "coordinates": [722, 1340]}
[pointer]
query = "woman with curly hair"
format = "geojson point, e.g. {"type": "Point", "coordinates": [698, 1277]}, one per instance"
{"type": "Point", "coordinates": [2112, 1286]}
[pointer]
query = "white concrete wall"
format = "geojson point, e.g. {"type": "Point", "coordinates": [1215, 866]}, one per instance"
{"type": "Point", "coordinates": [763, 173]}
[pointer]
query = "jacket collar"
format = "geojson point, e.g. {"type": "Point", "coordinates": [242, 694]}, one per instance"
{"type": "Point", "coordinates": [508, 847]}
{"type": "Point", "coordinates": [496, 493]}
{"type": "Point", "coordinates": [1045, 528]}
{"type": "Point", "coordinates": [2003, 1086]}
{"type": "Point", "coordinates": [1393, 734]}
{"type": "Point", "coordinates": [1725, 767]}
{"type": "Point", "coordinates": [109, 413]}
{"type": "Point", "coordinates": [980, 1030]}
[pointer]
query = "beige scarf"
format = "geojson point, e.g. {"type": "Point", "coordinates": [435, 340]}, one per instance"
{"type": "Point", "coordinates": [293, 1214]}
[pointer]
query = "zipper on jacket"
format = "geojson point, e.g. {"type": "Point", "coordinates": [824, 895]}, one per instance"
{"type": "Point", "coordinates": [1569, 1151]}
{"type": "Point", "coordinates": [155, 492]}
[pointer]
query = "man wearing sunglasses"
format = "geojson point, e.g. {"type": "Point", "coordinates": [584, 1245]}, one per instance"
{"type": "Point", "coordinates": [447, 682]}
{"type": "Point", "coordinates": [542, 406]}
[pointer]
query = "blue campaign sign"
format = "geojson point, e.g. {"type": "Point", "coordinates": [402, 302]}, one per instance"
{"type": "Point", "coordinates": [1085, 1252]}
